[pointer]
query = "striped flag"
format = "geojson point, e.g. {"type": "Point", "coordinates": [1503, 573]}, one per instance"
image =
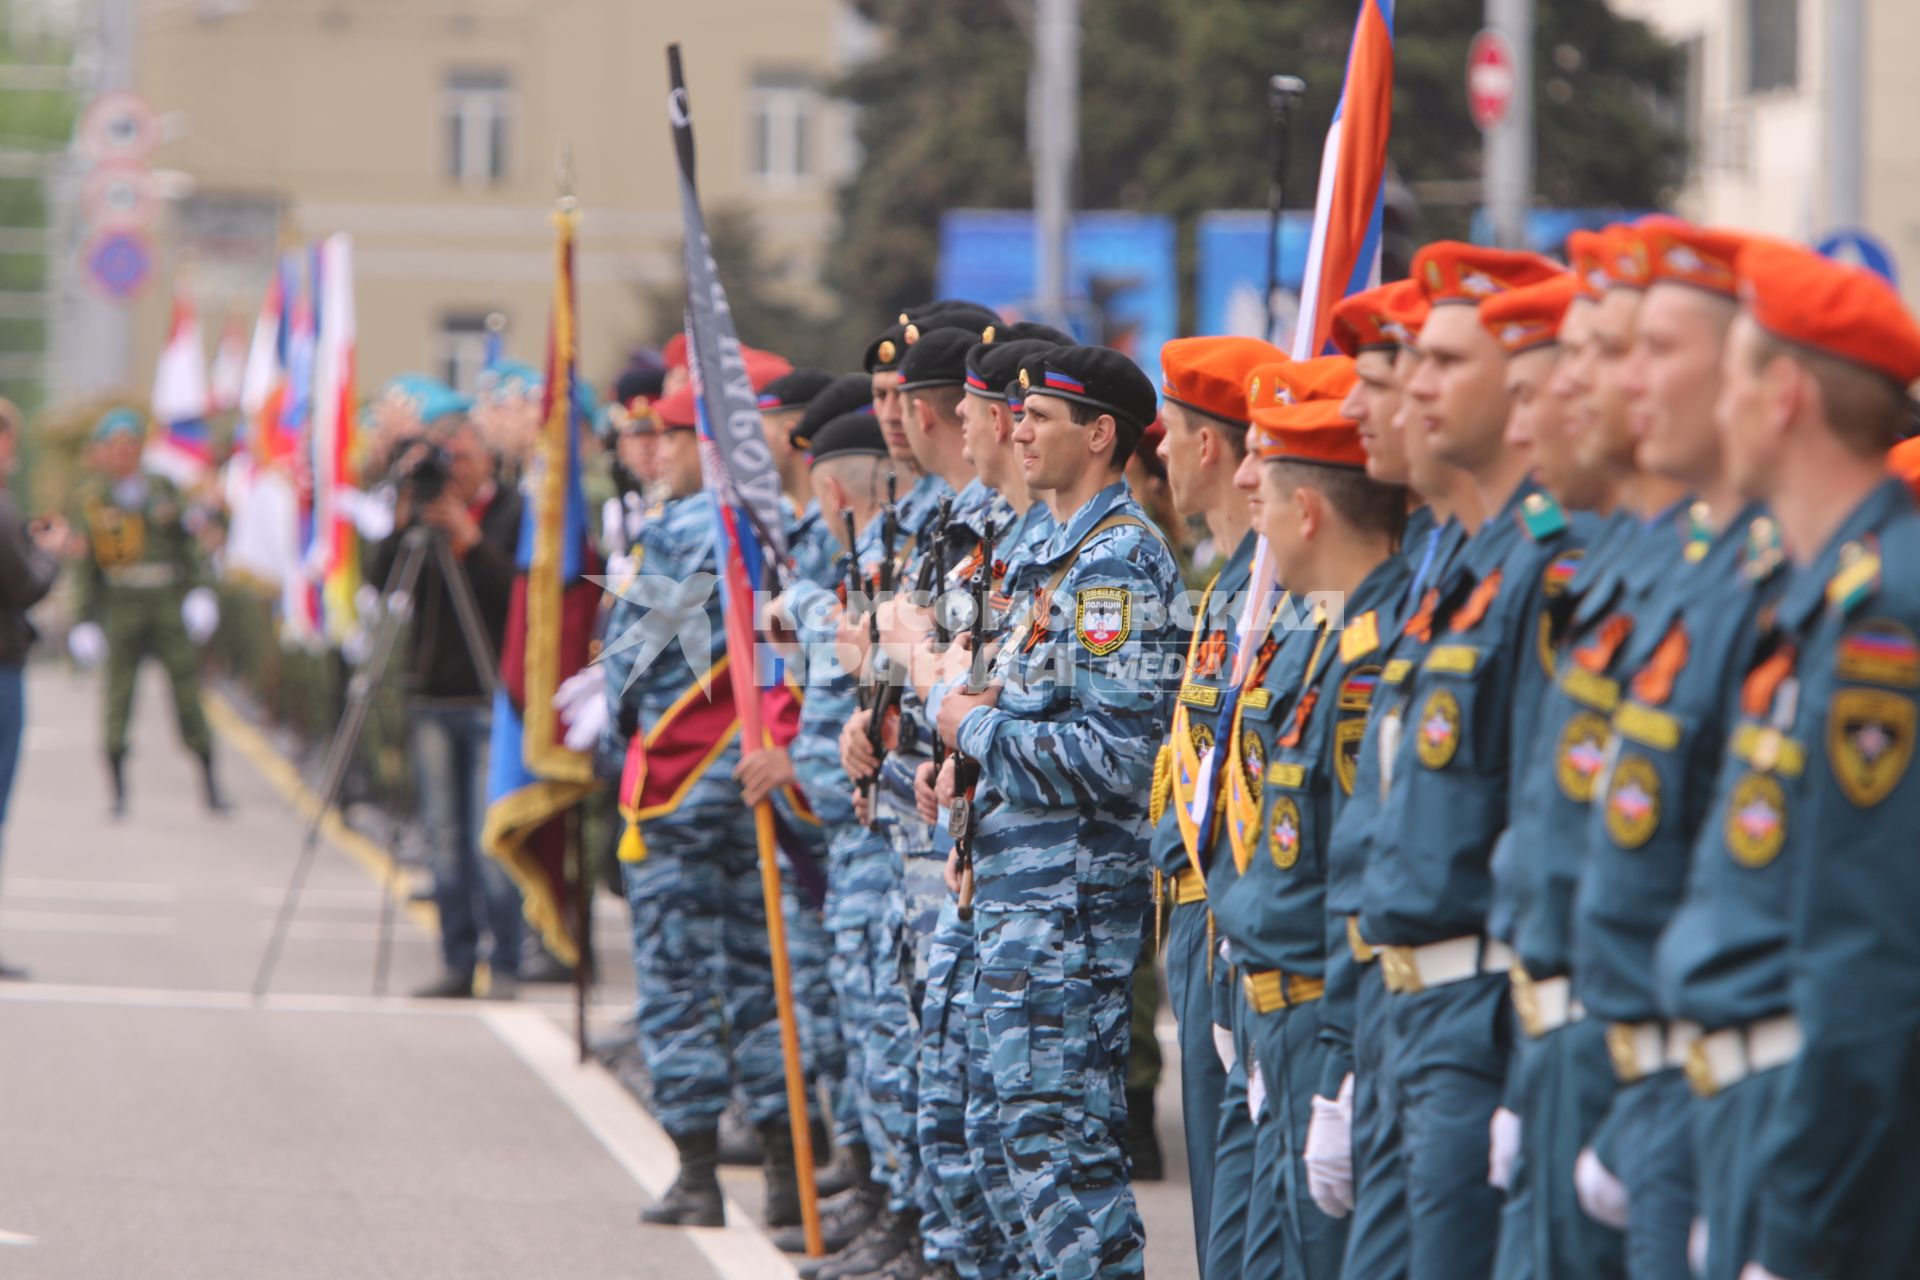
{"type": "Point", "coordinates": [332, 557]}
{"type": "Point", "coordinates": [182, 450]}
{"type": "Point", "coordinates": [1343, 258]}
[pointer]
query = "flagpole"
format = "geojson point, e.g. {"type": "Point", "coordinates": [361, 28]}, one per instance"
{"type": "Point", "coordinates": [742, 645]}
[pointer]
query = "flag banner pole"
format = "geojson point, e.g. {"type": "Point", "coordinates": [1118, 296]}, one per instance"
{"type": "Point", "coordinates": [745, 491]}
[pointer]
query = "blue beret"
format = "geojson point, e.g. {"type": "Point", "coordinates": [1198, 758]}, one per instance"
{"type": "Point", "coordinates": [117, 422]}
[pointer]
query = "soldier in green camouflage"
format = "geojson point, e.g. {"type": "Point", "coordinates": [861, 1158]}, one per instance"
{"type": "Point", "coordinates": [143, 592]}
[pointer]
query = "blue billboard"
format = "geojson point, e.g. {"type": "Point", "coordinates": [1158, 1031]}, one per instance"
{"type": "Point", "coordinates": [1230, 267]}
{"type": "Point", "coordinates": [1122, 274]}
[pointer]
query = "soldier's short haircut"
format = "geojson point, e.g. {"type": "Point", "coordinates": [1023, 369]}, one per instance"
{"type": "Point", "coordinates": [1366, 505]}
{"type": "Point", "coordinates": [944, 401]}
{"type": "Point", "coordinates": [858, 472]}
{"type": "Point", "coordinates": [1865, 410]}
{"type": "Point", "coordinates": [1125, 438]}
{"type": "Point", "coordinates": [1234, 433]}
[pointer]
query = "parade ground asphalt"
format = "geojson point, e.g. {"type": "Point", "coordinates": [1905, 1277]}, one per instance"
{"type": "Point", "coordinates": [156, 1121]}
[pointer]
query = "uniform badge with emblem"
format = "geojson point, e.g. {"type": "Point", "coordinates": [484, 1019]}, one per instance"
{"type": "Point", "coordinates": [1756, 826]}
{"type": "Point", "coordinates": [1283, 833]}
{"type": "Point", "coordinates": [1633, 802]}
{"type": "Point", "coordinates": [1583, 750]}
{"type": "Point", "coordinates": [1437, 730]}
{"type": "Point", "coordinates": [1869, 743]}
{"type": "Point", "coordinates": [1103, 619]}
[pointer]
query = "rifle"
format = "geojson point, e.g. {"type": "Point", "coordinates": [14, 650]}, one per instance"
{"type": "Point", "coordinates": [880, 701]}
{"type": "Point", "coordinates": [964, 820]}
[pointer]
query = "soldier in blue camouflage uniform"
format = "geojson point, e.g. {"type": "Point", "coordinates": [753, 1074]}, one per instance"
{"type": "Point", "coordinates": [703, 972]}
{"type": "Point", "coordinates": [1205, 415]}
{"type": "Point", "coordinates": [1667, 733]}
{"type": "Point", "coordinates": [1791, 950]}
{"type": "Point", "coordinates": [1449, 774]}
{"type": "Point", "coordinates": [1290, 763]}
{"type": "Point", "coordinates": [1065, 742]}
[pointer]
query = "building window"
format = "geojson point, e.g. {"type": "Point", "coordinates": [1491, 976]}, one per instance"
{"type": "Point", "coordinates": [1773, 45]}
{"type": "Point", "coordinates": [477, 107]}
{"type": "Point", "coordinates": [781, 107]}
{"type": "Point", "coordinates": [460, 349]}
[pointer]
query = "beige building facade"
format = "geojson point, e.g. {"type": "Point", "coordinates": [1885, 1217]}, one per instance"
{"type": "Point", "coordinates": [1763, 89]}
{"type": "Point", "coordinates": [433, 131]}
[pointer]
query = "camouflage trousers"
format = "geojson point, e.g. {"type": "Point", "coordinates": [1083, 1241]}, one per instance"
{"type": "Point", "coordinates": [977, 1239]}
{"type": "Point", "coordinates": [809, 951]}
{"type": "Point", "coordinates": [1050, 1013]}
{"type": "Point", "coordinates": [141, 624]}
{"type": "Point", "coordinates": [892, 1063]}
{"type": "Point", "coordinates": [703, 972]}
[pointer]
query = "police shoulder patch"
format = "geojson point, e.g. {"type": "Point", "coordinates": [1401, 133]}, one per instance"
{"type": "Point", "coordinates": [1103, 619]}
{"type": "Point", "coordinates": [1869, 742]}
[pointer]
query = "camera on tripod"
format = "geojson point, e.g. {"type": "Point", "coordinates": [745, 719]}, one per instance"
{"type": "Point", "coordinates": [425, 477]}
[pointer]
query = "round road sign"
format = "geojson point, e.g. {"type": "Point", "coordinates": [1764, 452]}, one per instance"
{"type": "Point", "coordinates": [119, 263]}
{"type": "Point", "coordinates": [119, 126]}
{"type": "Point", "coordinates": [119, 197]}
{"type": "Point", "coordinates": [1490, 79]}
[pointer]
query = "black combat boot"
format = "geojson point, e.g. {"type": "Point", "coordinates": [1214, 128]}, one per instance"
{"type": "Point", "coordinates": [783, 1175]}
{"type": "Point", "coordinates": [891, 1235]}
{"type": "Point", "coordinates": [846, 1218]}
{"type": "Point", "coordinates": [117, 771]}
{"type": "Point", "coordinates": [216, 803]}
{"type": "Point", "coordinates": [1143, 1143]}
{"type": "Point", "coordinates": [694, 1198]}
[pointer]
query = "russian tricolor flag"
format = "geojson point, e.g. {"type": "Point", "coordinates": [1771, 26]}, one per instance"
{"type": "Point", "coordinates": [181, 450]}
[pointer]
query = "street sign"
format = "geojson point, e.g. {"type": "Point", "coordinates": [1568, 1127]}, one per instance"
{"type": "Point", "coordinates": [1490, 79]}
{"type": "Point", "coordinates": [119, 197]}
{"type": "Point", "coordinates": [1861, 249]}
{"type": "Point", "coordinates": [119, 126]}
{"type": "Point", "coordinates": [119, 263]}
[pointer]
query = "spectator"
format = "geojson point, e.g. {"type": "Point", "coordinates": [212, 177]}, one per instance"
{"type": "Point", "coordinates": [29, 563]}
{"type": "Point", "coordinates": [479, 521]}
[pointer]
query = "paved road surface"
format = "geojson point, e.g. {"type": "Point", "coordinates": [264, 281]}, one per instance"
{"type": "Point", "coordinates": [156, 1123]}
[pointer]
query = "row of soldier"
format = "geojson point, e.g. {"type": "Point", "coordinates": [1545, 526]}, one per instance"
{"type": "Point", "coordinates": [1517, 807]}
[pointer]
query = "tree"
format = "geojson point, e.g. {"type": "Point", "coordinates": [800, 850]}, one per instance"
{"type": "Point", "coordinates": [34, 127]}
{"type": "Point", "coordinates": [1174, 115]}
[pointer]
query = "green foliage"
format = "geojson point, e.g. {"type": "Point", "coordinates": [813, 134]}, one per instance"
{"type": "Point", "coordinates": [1174, 115]}
{"type": "Point", "coordinates": [33, 126]}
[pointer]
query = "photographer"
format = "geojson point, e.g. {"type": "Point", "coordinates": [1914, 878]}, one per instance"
{"type": "Point", "coordinates": [445, 482]}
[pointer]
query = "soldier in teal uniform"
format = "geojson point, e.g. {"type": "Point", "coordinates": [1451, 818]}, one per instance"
{"type": "Point", "coordinates": [1792, 949]}
{"type": "Point", "coordinates": [1449, 768]}
{"type": "Point", "coordinates": [1204, 411]}
{"type": "Point", "coordinates": [1668, 732]}
{"type": "Point", "coordinates": [1065, 740]}
{"type": "Point", "coordinates": [144, 591]}
{"type": "Point", "coordinates": [1291, 761]}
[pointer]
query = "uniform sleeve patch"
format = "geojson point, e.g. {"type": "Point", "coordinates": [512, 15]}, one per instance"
{"type": "Point", "coordinates": [1879, 651]}
{"type": "Point", "coordinates": [1103, 619]}
{"type": "Point", "coordinates": [1869, 743]}
{"type": "Point", "coordinates": [1361, 637]}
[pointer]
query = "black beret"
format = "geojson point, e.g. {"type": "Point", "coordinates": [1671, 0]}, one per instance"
{"type": "Point", "coordinates": [1028, 330]}
{"type": "Point", "coordinates": [944, 304]}
{"type": "Point", "coordinates": [884, 352]}
{"type": "Point", "coordinates": [851, 433]}
{"type": "Point", "coordinates": [794, 390]}
{"type": "Point", "coordinates": [991, 366]}
{"type": "Point", "coordinates": [970, 316]}
{"type": "Point", "coordinates": [1098, 377]}
{"type": "Point", "coordinates": [937, 359]}
{"type": "Point", "coordinates": [639, 380]}
{"type": "Point", "coordinates": [847, 394]}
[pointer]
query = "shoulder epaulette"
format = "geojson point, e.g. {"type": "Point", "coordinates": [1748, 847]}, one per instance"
{"type": "Point", "coordinates": [1857, 578]}
{"type": "Point", "coordinates": [1541, 516]}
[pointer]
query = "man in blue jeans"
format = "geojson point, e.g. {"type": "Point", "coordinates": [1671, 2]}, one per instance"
{"type": "Point", "coordinates": [447, 696]}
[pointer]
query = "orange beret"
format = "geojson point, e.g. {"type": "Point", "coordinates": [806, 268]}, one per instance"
{"type": "Point", "coordinates": [1587, 254]}
{"type": "Point", "coordinates": [1377, 320]}
{"type": "Point", "coordinates": [1210, 374]}
{"type": "Point", "coordinates": [1628, 265]}
{"type": "Point", "coordinates": [1296, 412]}
{"type": "Point", "coordinates": [1704, 257]}
{"type": "Point", "coordinates": [1838, 310]}
{"type": "Point", "coordinates": [1525, 319]}
{"type": "Point", "coordinates": [1904, 461]}
{"type": "Point", "coordinates": [1452, 271]}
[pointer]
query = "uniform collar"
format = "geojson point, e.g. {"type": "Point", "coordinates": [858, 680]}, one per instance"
{"type": "Point", "coordinates": [1104, 503]}
{"type": "Point", "coordinates": [1806, 592]}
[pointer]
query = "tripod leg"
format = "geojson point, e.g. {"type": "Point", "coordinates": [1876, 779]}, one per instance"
{"type": "Point", "coordinates": [467, 610]}
{"type": "Point", "coordinates": [366, 677]}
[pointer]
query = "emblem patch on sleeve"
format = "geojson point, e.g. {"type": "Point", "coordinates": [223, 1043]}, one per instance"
{"type": "Point", "coordinates": [1253, 759]}
{"type": "Point", "coordinates": [1283, 833]}
{"type": "Point", "coordinates": [1633, 802]}
{"type": "Point", "coordinates": [1103, 619]}
{"type": "Point", "coordinates": [1869, 743]}
{"type": "Point", "coordinates": [1347, 734]}
{"type": "Point", "coordinates": [1756, 820]}
{"type": "Point", "coordinates": [1437, 731]}
{"type": "Point", "coordinates": [1879, 651]}
{"type": "Point", "coordinates": [1583, 749]}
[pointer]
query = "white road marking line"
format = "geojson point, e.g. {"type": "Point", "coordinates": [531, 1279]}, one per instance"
{"type": "Point", "coordinates": [240, 1002]}
{"type": "Point", "coordinates": [640, 1146]}
{"type": "Point", "coordinates": [73, 922]}
{"type": "Point", "coordinates": [33, 890]}
{"type": "Point", "coordinates": [314, 897]}
{"type": "Point", "coordinates": [15, 1238]}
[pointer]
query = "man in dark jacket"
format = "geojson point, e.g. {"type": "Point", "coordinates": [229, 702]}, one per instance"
{"type": "Point", "coordinates": [448, 708]}
{"type": "Point", "coordinates": [29, 563]}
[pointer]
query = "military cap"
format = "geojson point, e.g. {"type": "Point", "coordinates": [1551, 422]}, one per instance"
{"type": "Point", "coordinates": [794, 390]}
{"type": "Point", "coordinates": [1452, 272]}
{"type": "Point", "coordinates": [884, 352]}
{"type": "Point", "coordinates": [677, 412]}
{"type": "Point", "coordinates": [976, 320]}
{"type": "Point", "coordinates": [639, 382]}
{"type": "Point", "coordinates": [1628, 266]}
{"type": "Point", "coordinates": [1528, 318]}
{"type": "Point", "coordinates": [937, 358]}
{"type": "Point", "coordinates": [118, 422]}
{"type": "Point", "coordinates": [1029, 330]}
{"type": "Point", "coordinates": [1842, 311]}
{"type": "Point", "coordinates": [847, 394]}
{"type": "Point", "coordinates": [1587, 255]}
{"type": "Point", "coordinates": [1707, 258]}
{"type": "Point", "coordinates": [849, 434]}
{"type": "Point", "coordinates": [994, 366]}
{"type": "Point", "coordinates": [508, 380]}
{"type": "Point", "coordinates": [1297, 416]}
{"type": "Point", "coordinates": [1376, 320]}
{"type": "Point", "coordinates": [1097, 377]}
{"type": "Point", "coordinates": [1209, 375]}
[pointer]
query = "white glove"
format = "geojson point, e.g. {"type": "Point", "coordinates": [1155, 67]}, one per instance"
{"type": "Point", "coordinates": [1697, 1247]}
{"type": "Point", "coordinates": [1754, 1271]}
{"type": "Point", "coordinates": [1503, 1146]}
{"type": "Point", "coordinates": [581, 701]}
{"type": "Point", "coordinates": [613, 526]}
{"type": "Point", "coordinates": [88, 644]}
{"type": "Point", "coordinates": [1329, 1153]}
{"type": "Point", "coordinates": [1603, 1197]}
{"type": "Point", "coordinates": [201, 612]}
{"type": "Point", "coordinates": [1223, 1045]}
